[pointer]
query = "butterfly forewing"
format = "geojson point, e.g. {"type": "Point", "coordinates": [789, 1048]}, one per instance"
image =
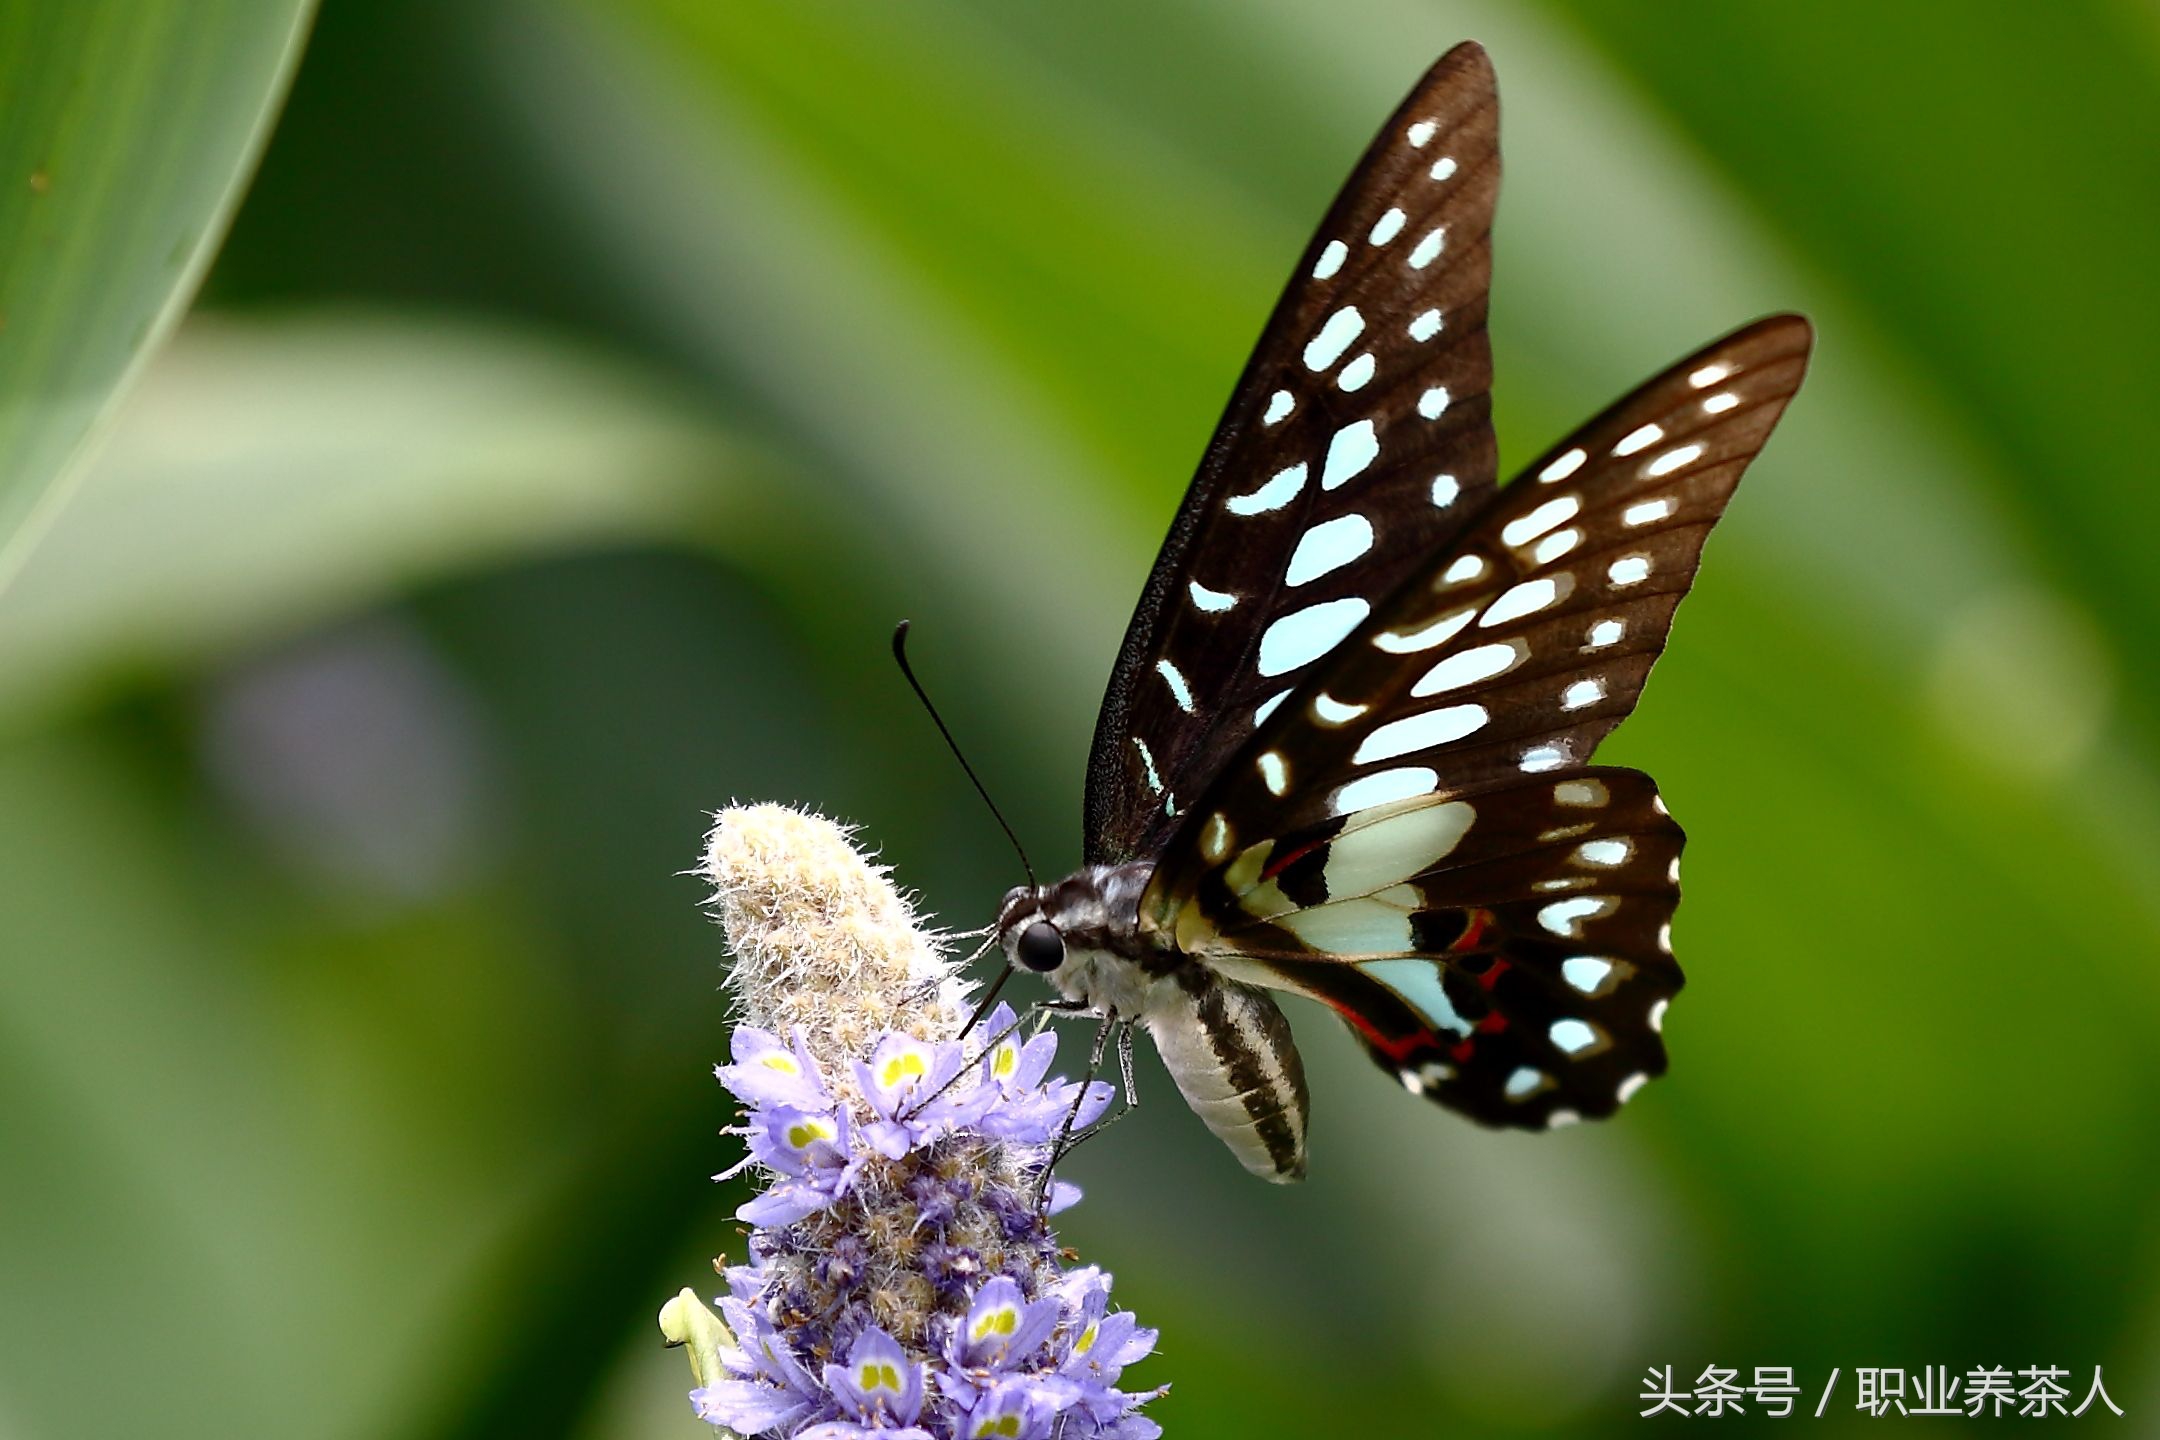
{"type": "Point", "coordinates": [1357, 443]}
{"type": "Point", "coordinates": [1506, 952]}
{"type": "Point", "coordinates": [1516, 650]}
{"type": "Point", "coordinates": [1413, 837]}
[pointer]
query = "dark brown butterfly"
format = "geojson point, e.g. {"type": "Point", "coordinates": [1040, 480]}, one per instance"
{"type": "Point", "coordinates": [1344, 750]}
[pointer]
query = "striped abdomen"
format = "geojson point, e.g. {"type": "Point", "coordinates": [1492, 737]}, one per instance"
{"type": "Point", "coordinates": [1230, 1052]}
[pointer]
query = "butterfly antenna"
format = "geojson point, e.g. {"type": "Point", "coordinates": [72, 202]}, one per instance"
{"type": "Point", "coordinates": [899, 650]}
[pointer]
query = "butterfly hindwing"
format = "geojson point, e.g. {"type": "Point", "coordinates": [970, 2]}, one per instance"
{"type": "Point", "coordinates": [1356, 443]}
{"type": "Point", "coordinates": [1506, 952]}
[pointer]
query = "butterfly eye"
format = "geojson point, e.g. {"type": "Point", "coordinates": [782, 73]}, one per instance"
{"type": "Point", "coordinates": [1041, 947]}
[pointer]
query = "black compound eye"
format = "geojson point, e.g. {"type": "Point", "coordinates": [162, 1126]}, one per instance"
{"type": "Point", "coordinates": [1041, 947]}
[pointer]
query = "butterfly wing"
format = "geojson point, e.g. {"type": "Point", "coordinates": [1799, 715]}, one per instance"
{"type": "Point", "coordinates": [1476, 691]}
{"type": "Point", "coordinates": [1506, 952]}
{"type": "Point", "coordinates": [1356, 443]}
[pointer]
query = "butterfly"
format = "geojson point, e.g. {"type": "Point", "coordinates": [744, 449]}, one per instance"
{"type": "Point", "coordinates": [1344, 749]}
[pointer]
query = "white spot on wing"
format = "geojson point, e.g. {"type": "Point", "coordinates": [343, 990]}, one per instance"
{"type": "Point", "coordinates": [1384, 788]}
{"type": "Point", "coordinates": [1433, 403]}
{"type": "Point", "coordinates": [1420, 732]}
{"type": "Point", "coordinates": [1523, 529]}
{"type": "Point", "coordinates": [1421, 132]}
{"type": "Point", "coordinates": [1607, 853]}
{"type": "Point", "coordinates": [1358, 373]}
{"type": "Point", "coordinates": [1582, 792]}
{"type": "Point", "coordinates": [1443, 167]}
{"type": "Point", "coordinates": [1647, 512]}
{"type": "Point", "coordinates": [1543, 757]}
{"type": "Point", "coordinates": [1214, 602]}
{"type": "Point", "coordinates": [1351, 927]}
{"type": "Point", "coordinates": [1563, 466]}
{"type": "Point", "coordinates": [1572, 1036]}
{"type": "Point", "coordinates": [1586, 973]}
{"type": "Point", "coordinates": [1561, 1119]}
{"type": "Point", "coordinates": [1428, 249]}
{"type": "Point", "coordinates": [1466, 667]}
{"type": "Point", "coordinates": [1425, 326]}
{"type": "Point", "coordinates": [1709, 375]}
{"type": "Point", "coordinates": [1275, 772]}
{"type": "Point", "coordinates": [1330, 260]}
{"type": "Point", "coordinates": [1439, 632]}
{"type": "Point", "coordinates": [1305, 635]}
{"type": "Point", "coordinates": [1604, 633]}
{"type": "Point", "coordinates": [1175, 679]}
{"type": "Point", "coordinates": [1657, 1016]}
{"type": "Point", "coordinates": [1629, 570]}
{"type": "Point", "coordinates": [1581, 694]}
{"type": "Point", "coordinates": [1354, 447]}
{"type": "Point", "coordinates": [1524, 1082]}
{"type": "Point", "coordinates": [1640, 438]}
{"type": "Point", "coordinates": [1555, 545]}
{"type": "Point", "coordinates": [1330, 711]}
{"type": "Point", "coordinates": [1672, 460]}
{"type": "Point", "coordinates": [1215, 839]}
{"type": "Point", "coordinates": [1564, 917]}
{"type": "Point", "coordinates": [1517, 601]}
{"type": "Point", "coordinates": [1462, 568]}
{"type": "Point", "coordinates": [1279, 405]}
{"type": "Point", "coordinates": [1388, 226]}
{"type": "Point", "coordinates": [1444, 491]}
{"type": "Point", "coordinates": [1328, 547]}
{"type": "Point", "coordinates": [1629, 1086]}
{"type": "Point", "coordinates": [1147, 758]}
{"type": "Point", "coordinates": [1418, 982]}
{"type": "Point", "coordinates": [1280, 490]}
{"type": "Point", "coordinates": [1376, 857]}
{"type": "Point", "coordinates": [1342, 327]}
{"type": "Point", "coordinates": [1719, 404]}
{"type": "Point", "coordinates": [1267, 707]}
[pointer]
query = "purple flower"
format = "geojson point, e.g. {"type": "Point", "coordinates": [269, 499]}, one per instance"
{"type": "Point", "coordinates": [899, 1238]}
{"type": "Point", "coordinates": [1001, 1329]}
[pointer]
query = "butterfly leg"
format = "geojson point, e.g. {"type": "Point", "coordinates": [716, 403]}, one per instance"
{"type": "Point", "coordinates": [1060, 1147]}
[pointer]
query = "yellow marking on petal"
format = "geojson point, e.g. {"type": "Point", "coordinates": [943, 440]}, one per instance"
{"type": "Point", "coordinates": [1002, 1321]}
{"type": "Point", "coordinates": [803, 1133]}
{"type": "Point", "coordinates": [1086, 1342]}
{"type": "Point", "coordinates": [1007, 1061]}
{"type": "Point", "coordinates": [783, 1062]}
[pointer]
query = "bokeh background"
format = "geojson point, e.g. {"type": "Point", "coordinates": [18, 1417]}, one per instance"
{"type": "Point", "coordinates": [585, 386]}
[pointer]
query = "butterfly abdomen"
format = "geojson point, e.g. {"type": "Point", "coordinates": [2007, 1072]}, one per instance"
{"type": "Point", "coordinates": [1229, 1049]}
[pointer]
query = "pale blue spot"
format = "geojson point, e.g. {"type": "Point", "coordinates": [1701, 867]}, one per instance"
{"type": "Point", "coordinates": [1573, 1036]}
{"type": "Point", "coordinates": [1385, 788]}
{"type": "Point", "coordinates": [1279, 405]}
{"type": "Point", "coordinates": [1175, 679]}
{"type": "Point", "coordinates": [1212, 601]}
{"type": "Point", "coordinates": [1305, 635]}
{"type": "Point", "coordinates": [1329, 546]}
{"type": "Point", "coordinates": [1420, 732]}
{"type": "Point", "coordinates": [1330, 260]}
{"type": "Point", "coordinates": [1342, 327]}
{"type": "Point", "coordinates": [1279, 491]}
{"type": "Point", "coordinates": [1585, 972]}
{"type": "Point", "coordinates": [1433, 403]}
{"type": "Point", "coordinates": [1354, 447]}
{"type": "Point", "coordinates": [1418, 982]}
{"type": "Point", "coordinates": [1524, 1083]}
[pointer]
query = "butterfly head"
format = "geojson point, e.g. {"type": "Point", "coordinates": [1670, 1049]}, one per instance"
{"type": "Point", "coordinates": [1028, 931]}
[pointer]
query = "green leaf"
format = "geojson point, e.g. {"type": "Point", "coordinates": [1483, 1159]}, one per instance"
{"type": "Point", "coordinates": [272, 475]}
{"type": "Point", "coordinates": [131, 128]}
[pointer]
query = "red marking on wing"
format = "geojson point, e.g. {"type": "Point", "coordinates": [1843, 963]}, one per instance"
{"type": "Point", "coordinates": [1397, 1050]}
{"type": "Point", "coordinates": [1462, 1051]}
{"type": "Point", "coordinates": [1492, 974]}
{"type": "Point", "coordinates": [1474, 930]}
{"type": "Point", "coordinates": [1492, 1023]}
{"type": "Point", "coordinates": [1276, 866]}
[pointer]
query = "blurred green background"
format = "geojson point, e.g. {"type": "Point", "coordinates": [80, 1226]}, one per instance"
{"type": "Point", "coordinates": [585, 387]}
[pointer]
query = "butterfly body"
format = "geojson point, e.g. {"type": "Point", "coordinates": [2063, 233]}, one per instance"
{"type": "Point", "coordinates": [1344, 749]}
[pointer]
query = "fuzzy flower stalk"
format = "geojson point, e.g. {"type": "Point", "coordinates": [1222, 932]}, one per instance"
{"type": "Point", "coordinates": [902, 1279]}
